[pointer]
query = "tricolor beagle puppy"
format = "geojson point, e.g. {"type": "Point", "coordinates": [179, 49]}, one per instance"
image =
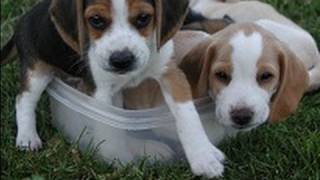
{"type": "Point", "coordinates": [113, 44]}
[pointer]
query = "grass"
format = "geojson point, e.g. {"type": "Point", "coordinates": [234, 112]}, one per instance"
{"type": "Point", "coordinates": [290, 150]}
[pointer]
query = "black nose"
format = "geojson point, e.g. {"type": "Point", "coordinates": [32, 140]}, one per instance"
{"type": "Point", "coordinates": [122, 61]}
{"type": "Point", "coordinates": [241, 116]}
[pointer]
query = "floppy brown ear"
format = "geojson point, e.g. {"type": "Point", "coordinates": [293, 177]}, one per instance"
{"type": "Point", "coordinates": [67, 16]}
{"type": "Point", "coordinates": [196, 65]}
{"type": "Point", "coordinates": [293, 84]}
{"type": "Point", "coordinates": [170, 15]}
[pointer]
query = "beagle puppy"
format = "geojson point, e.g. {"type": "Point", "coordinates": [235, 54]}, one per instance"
{"type": "Point", "coordinates": [254, 72]}
{"type": "Point", "coordinates": [296, 38]}
{"type": "Point", "coordinates": [111, 44]}
{"type": "Point", "coordinates": [251, 76]}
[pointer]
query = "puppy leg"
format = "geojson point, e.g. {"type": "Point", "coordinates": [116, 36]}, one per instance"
{"type": "Point", "coordinates": [314, 75]}
{"type": "Point", "coordinates": [104, 95]}
{"type": "Point", "coordinates": [36, 80]}
{"type": "Point", "coordinates": [204, 158]}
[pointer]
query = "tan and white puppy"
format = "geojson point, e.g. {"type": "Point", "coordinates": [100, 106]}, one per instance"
{"type": "Point", "coordinates": [251, 76]}
{"type": "Point", "coordinates": [251, 70]}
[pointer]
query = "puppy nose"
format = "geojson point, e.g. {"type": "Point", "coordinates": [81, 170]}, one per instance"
{"type": "Point", "coordinates": [122, 61]}
{"type": "Point", "coordinates": [242, 116]}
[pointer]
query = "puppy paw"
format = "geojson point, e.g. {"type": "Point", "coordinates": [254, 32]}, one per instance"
{"type": "Point", "coordinates": [28, 141]}
{"type": "Point", "coordinates": [208, 162]}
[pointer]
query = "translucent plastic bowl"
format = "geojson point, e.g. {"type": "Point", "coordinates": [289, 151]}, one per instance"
{"type": "Point", "coordinates": [120, 134]}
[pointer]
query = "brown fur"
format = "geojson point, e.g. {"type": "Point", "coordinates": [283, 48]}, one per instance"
{"type": "Point", "coordinates": [293, 84]}
{"type": "Point", "coordinates": [139, 6]}
{"type": "Point", "coordinates": [66, 38]}
{"type": "Point", "coordinates": [167, 26]}
{"type": "Point", "coordinates": [177, 81]}
{"type": "Point", "coordinates": [268, 63]}
{"type": "Point", "coordinates": [136, 98]}
{"type": "Point", "coordinates": [101, 8]}
{"type": "Point", "coordinates": [148, 94]}
{"type": "Point", "coordinates": [39, 67]}
{"type": "Point", "coordinates": [196, 66]}
{"type": "Point", "coordinates": [216, 86]}
{"type": "Point", "coordinates": [58, 18]}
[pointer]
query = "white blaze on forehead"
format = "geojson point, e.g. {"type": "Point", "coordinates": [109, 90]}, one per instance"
{"type": "Point", "coordinates": [247, 49]}
{"type": "Point", "coordinates": [244, 90]}
{"type": "Point", "coordinates": [120, 12]}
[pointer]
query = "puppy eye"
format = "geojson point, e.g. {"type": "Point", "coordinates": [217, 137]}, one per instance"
{"type": "Point", "coordinates": [98, 22]}
{"type": "Point", "coordinates": [265, 77]}
{"type": "Point", "coordinates": [142, 20]}
{"type": "Point", "coordinates": [223, 77]}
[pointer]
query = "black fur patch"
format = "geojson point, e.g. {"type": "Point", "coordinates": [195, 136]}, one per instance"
{"type": "Point", "coordinates": [37, 39]}
{"type": "Point", "coordinates": [173, 13]}
{"type": "Point", "coordinates": [65, 13]}
{"type": "Point", "coordinates": [193, 16]}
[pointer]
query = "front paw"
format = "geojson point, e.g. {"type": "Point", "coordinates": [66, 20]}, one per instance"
{"type": "Point", "coordinates": [207, 162]}
{"type": "Point", "coordinates": [28, 141]}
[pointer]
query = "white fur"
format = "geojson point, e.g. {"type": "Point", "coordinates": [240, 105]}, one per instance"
{"type": "Point", "coordinates": [151, 62]}
{"type": "Point", "coordinates": [120, 36]}
{"type": "Point", "coordinates": [243, 90]}
{"type": "Point", "coordinates": [204, 158]}
{"type": "Point", "coordinates": [27, 136]}
{"type": "Point", "coordinates": [109, 84]}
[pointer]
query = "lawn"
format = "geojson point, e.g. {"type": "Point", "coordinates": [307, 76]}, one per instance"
{"type": "Point", "coordinates": [290, 150]}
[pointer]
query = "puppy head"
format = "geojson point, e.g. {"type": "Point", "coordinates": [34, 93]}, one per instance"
{"type": "Point", "coordinates": [251, 76]}
{"type": "Point", "coordinates": [118, 35]}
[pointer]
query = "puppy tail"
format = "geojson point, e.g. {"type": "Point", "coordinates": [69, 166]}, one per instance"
{"type": "Point", "coordinates": [8, 52]}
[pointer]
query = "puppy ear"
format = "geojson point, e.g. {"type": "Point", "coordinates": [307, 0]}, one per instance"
{"type": "Point", "coordinates": [67, 16]}
{"type": "Point", "coordinates": [170, 15]}
{"type": "Point", "coordinates": [293, 84]}
{"type": "Point", "coordinates": [197, 64]}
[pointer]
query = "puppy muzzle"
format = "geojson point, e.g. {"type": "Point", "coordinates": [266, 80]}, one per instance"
{"type": "Point", "coordinates": [122, 62]}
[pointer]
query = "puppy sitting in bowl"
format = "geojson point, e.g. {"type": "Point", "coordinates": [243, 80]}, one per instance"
{"type": "Point", "coordinates": [112, 45]}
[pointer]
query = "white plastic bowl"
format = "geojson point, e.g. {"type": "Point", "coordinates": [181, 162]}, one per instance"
{"type": "Point", "coordinates": [120, 134]}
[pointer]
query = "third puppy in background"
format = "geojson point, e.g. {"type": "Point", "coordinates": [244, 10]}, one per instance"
{"type": "Point", "coordinates": [296, 38]}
